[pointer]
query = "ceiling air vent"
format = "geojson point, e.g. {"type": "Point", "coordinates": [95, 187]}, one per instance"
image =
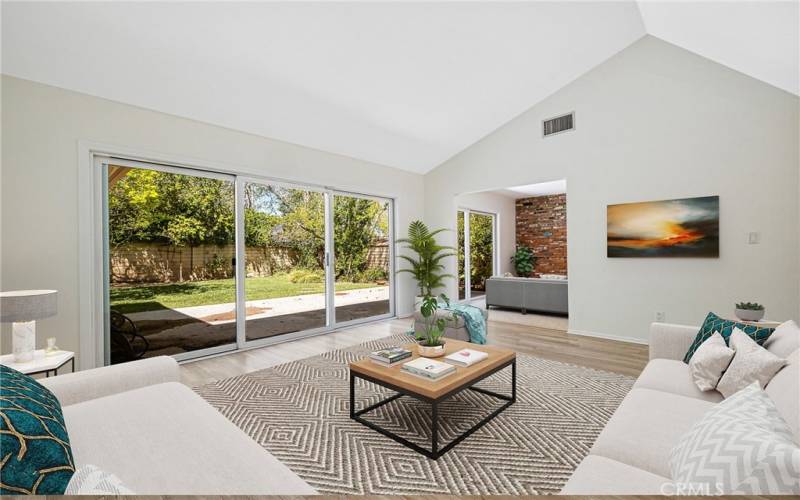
{"type": "Point", "coordinates": [558, 124]}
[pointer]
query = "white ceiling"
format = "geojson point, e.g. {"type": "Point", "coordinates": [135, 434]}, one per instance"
{"type": "Point", "coordinates": [539, 189]}
{"type": "Point", "coordinates": [402, 84]}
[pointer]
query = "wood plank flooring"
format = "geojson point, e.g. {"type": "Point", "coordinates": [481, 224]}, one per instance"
{"type": "Point", "coordinates": [558, 345]}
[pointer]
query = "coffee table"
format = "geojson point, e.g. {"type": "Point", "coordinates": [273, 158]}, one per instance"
{"type": "Point", "coordinates": [434, 391]}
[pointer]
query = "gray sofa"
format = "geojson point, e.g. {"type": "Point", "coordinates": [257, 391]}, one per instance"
{"type": "Point", "coordinates": [137, 421]}
{"type": "Point", "coordinates": [528, 294]}
{"type": "Point", "coordinates": [631, 455]}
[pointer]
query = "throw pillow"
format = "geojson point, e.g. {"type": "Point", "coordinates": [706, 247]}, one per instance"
{"type": "Point", "coordinates": [740, 446]}
{"type": "Point", "coordinates": [92, 480]}
{"type": "Point", "coordinates": [714, 323]}
{"type": "Point", "coordinates": [784, 340]}
{"type": "Point", "coordinates": [709, 361]}
{"type": "Point", "coordinates": [36, 456]}
{"type": "Point", "coordinates": [751, 363]}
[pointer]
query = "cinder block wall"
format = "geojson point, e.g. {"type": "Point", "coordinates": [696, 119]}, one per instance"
{"type": "Point", "coordinates": [542, 226]}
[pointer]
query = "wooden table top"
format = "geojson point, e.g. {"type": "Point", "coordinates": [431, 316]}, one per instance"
{"type": "Point", "coordinates": [435, 389]}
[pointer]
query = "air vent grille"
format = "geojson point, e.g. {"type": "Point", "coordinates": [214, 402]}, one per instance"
{"type": "Point", "coordinates": [558, 124]}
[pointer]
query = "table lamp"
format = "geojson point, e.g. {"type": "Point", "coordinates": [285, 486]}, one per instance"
{"type": "Point", "coordinates": [23, 308]}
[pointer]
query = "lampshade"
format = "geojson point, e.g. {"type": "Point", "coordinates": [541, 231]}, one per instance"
{"type": "Point", "coordinates": [27, 305]}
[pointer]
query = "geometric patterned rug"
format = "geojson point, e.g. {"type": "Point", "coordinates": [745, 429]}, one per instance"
{"type": "Point", "coordinates": [299, 412]}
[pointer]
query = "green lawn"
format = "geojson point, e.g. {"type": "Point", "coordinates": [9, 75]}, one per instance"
{"type": "Point", "coordinates": [130, 299]}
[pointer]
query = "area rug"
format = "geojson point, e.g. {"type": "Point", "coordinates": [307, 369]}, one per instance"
{"type": "Point", "coordinates": [299, 412]}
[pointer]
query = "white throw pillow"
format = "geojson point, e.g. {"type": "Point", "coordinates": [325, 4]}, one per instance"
{"type": "Point", "coordinates": [92, 480]}
{"type": "Point", "coordinates": [751, 363]}
{"type": "Point", "coordinates": [784, 340]}
{"type": "Point", "coordinates": [709, 361]}
{"type": "Point", "coordinates": [740, 446]}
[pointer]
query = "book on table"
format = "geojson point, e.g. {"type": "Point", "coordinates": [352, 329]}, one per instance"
{"type": "Point", "coordinates": [390, 356]}
{"type": "Point", "coordinates": [428, 368]}
{"type": "Point", "coordinates": [466, 357]}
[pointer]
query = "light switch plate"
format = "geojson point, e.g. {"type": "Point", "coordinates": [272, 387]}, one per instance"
{"type": "Point", "coordinates": [753, 238]}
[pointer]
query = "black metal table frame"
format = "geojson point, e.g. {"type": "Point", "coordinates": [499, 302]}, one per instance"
{"type": "Point", "coordinates": [435, 452]}
{"type": "Point", "coordinates": [55, 370]}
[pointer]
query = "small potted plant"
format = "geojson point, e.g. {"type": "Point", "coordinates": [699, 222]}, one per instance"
{"type": "Point", "coordinates": [749, 311]}
{"type": "Point", "coordinates": [523, 260]}
{"type": "Point", "coordinates": [431, 341]}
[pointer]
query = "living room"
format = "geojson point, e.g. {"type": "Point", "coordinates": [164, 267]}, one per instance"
{"type": "Point", "coordinates": [216, 217]}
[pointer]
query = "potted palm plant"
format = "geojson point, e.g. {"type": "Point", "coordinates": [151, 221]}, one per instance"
{"type": "Point", "coordinates": [426, 266]}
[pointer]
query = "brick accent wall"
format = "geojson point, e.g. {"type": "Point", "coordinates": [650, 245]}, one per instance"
{"type": "Point", "coordinates": [542, 226]}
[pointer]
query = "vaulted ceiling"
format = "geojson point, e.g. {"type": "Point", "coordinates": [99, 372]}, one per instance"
{"type": "Point", "coordinates": [402, 84]}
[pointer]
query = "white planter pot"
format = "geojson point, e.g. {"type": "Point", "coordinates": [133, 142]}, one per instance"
{"type": "Point", "coordinates": [431, 351]}
{"type": "Point", "coordinates": [750, 314]}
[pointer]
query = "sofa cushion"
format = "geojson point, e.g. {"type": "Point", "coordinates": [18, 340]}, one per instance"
{"type": "Point", "coordinates": [784, 340]}
{"type": "Point", "coordinates": [646, 426]}
{"type": "Point", "coordinates": [674, 377]}
{"type": "Point", "coordinates": [36, 454]}
{"type": "Point", "coordinates": [597, 475]}
{"type": "Point", "coordinates": [164, 439]}
{"type": "Point", "coordinates": [714, 323]}
{"type": "Point", "coordinates": [709, 361]}
{"type": "Point", "coordinates": [752, 363]}
{"type": "Point", "coordinates": [784, 391]}
{"type": "Point", "coordinates": [741, 446]}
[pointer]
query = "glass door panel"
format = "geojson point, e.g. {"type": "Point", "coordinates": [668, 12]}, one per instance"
{"type": "Point", "coordinates": [361, 239]}
{"type": "Point", "coordinates": [462, 282]}
{"type": "Point", "coordinates": [170, 240]}
{"type": "Point", "coordinates": [481, 252]}
{"type": "Point", "coordinates": [284, 237]}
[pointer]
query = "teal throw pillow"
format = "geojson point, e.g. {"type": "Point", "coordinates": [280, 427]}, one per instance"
{"type": "Point", "coordinates": [714, 323]}
{"type": "Point", "coordinates": [35, 456]}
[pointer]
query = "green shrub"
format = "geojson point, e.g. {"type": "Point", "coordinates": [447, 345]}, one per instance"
{"type": "Point", "coordinates": [372, 275]}
{"type": "Point", "coordinates": [306, 276]}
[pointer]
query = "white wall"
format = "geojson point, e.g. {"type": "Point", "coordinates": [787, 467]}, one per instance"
{"type": "Point", "coordinates": [655, 122]}
{"type": "Point", "coordinates": [41, 129]}
{"type": "Point", "coordinates": [505, 209]}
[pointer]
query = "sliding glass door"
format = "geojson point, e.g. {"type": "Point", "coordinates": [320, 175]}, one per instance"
{"type": "Point", "coordinates": [170, 275]}
{"type": "Point", "coordinates": [362, 252]}
{"type": "Point", "coordinates": [476, 233]}
{"type": "Point", "coordinates": [198, 263]}
{"type": "Point", "coordinates": [284, 260]}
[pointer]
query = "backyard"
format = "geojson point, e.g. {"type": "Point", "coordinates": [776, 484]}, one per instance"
{"type": "Point", "coordinates": [153, 297]}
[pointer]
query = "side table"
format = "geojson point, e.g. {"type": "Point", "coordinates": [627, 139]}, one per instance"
{"type": "Point", "coordinates": [40, 362]}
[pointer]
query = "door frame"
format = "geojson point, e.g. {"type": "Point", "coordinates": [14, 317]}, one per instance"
{"type": "Point", "coordinates": [92, 282]}
{"type": "Point", "coordinates": [495, 247]}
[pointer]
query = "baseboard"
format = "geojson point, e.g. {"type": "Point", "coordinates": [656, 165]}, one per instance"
{"type": "Point", "coordinates": [608, 336]}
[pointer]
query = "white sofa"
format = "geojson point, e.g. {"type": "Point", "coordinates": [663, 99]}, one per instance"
{"type": "Point", "coordinates": [137, 421]}
{"type": "Point", "coordinates": [631, 455]}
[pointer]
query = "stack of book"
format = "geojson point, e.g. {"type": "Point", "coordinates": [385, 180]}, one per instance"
{"type": "Point", "coordinates": [466, 357]}
{"type": "Point", "coordinates": [390, 356]}
{"type": "Point", "coordinates": [428, 368]}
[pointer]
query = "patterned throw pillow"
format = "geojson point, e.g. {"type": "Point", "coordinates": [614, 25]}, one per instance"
{"type": "Point", "coordinates": [35, 456]}
{"type": "Point", "coordinates": [714, 323]}
{"type": "Point", "coordinates": [92, 480]}
{"type": "Point", "coordinates": [742, 446]}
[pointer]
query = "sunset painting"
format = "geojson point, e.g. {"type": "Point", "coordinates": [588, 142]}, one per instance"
{"type": "Point", "coordinates": [687, 227]}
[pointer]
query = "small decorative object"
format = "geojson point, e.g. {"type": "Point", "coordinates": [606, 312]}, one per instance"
{"type": "Point", "coordinates": [687, 227]}
{"type": "Point", "coordinates": [23, 308]}
{"type": "Point", "coordinates": [431, 345]}
{"type": "Point", "coordinates": [749, 311]}
{"type": "Point", "coordinates": [51, 348]}
{"type": "Point", "coordinates": [523, 260]}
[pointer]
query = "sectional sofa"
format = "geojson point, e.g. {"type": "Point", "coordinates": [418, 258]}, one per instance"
{"type": "Point", "coordinates": [528, 294]}
{"type": "Point", "coordinates": [631, 455]}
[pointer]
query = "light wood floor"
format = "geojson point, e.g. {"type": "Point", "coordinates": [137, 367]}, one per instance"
{"type": "Point", "coordinates": [558, 345]}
